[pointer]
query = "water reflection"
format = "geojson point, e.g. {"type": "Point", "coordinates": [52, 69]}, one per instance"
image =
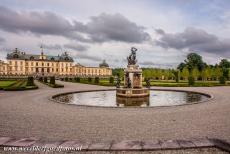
{"type": "Point", "coordinates": [108, 98]}
{"type": "Point", "coordinates": [122, 101]}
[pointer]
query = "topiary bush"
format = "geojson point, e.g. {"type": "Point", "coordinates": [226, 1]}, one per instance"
{"type": "Point", "coordinates": [45, 79]}
{"type": "Point", "coordinates": [89, 79]}
{"type": "Point", "coordinates": [78, 79]}
{"type": "Point", "coordinates": [52, 80]}
{"type": "Point", "coordinates": [30, 81]}
{"type": "Point", "coordinates": [191, 80]}
{"type": "Point", "coordinates": [96, 80]}
{"type": "Point", "coordinates": [40, 79]}
{"type": "Point", "coordinates": [66, 79]}
{"type": "Point", "coordinates": [111, 79]}
{"type": "Point", "coordinates": [222, 80]}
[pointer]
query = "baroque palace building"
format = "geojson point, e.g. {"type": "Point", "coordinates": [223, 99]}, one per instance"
{"type": "Point", "coordinates": [20, 63]}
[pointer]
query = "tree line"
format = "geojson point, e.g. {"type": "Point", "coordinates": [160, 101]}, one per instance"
{"type": "Point", "coordinates": [192, 69]}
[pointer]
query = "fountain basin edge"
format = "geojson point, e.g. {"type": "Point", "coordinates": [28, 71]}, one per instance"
{"type": "Point", "coordinates": [209, 98]}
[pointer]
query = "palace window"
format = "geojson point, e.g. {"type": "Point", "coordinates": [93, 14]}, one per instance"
{"type": "Point", "coordinates": [15, 56]}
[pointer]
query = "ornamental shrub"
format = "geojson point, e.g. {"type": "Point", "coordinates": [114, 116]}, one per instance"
{"type": "Point", "coordinates": [52, 80]}
{"type": "Point", "coordinates": [96, 80]}
{"type": "Point", "coordinates": [40, 79]}
{"type": "Point", "coordinates": [66, 78]}
{"type": "Point", "coordinates": [30, 81]}
{"type": "Point", "coordinates": [111, 79]}
{"type": "Point", "coordinates": [78, 79]}
{"type": "Point", "coordinates": [45, 79]}
{"type": "Point", "coordinates": [89, 79]}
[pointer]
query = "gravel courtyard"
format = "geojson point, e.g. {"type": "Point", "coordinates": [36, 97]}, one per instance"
{"type": "Point", "coordinates": [31, 113]}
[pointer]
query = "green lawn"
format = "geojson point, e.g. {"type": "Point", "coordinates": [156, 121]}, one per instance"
{"type": "Point", "coordinates": [6, 83]}
{"type": "Point", "coordinates": [15, 85]}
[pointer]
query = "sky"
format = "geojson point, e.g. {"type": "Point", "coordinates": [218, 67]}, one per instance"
{"type": "Point", "coordinates": [163, 31]}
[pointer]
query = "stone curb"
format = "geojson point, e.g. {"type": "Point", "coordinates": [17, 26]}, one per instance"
{"type": "Point", "coordinates": [125, 145]}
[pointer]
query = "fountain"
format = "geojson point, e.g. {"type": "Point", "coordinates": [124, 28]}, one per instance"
{"type": "Point", "coordinates": [132, 94]}
{"type": "Point", "coordinates": [132, 82]}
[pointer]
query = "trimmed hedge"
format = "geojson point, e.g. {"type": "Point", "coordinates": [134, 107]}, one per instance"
{"type": "Point", "coordinates": [96, 80]}
{"type": "Point", "coordinates": [111, 79]}
{"type": "Point", "coordinates": [89, 79]}
{"type": "Point", "coordinates": [77, 79]}
{"type": "Point", "coordinates": [45, 80]}
{"type": "Point", "coordinates": [30, 81]}
{"type": "Point", "coordinates": [52, 80]}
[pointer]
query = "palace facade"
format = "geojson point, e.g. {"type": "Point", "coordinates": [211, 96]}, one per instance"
{"type": "Point", "coordinates": [20, 63]}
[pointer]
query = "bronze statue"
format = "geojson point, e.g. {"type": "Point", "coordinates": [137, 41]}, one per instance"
{"type": "Point", "coordinates": [132, 57]}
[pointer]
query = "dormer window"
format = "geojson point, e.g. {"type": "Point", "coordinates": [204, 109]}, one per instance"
{"type": "Point", "coordinates": [66, 58]}
{"type": "Point", "coordinates": [15, 56]}
{"type": "Point", "coordinates": [31, 58]}
{"type": "Point", "coordinates": [52, 58]}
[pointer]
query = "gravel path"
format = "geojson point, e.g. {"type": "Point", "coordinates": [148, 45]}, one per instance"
{"type": "Point", "coordinates": [30, 113]}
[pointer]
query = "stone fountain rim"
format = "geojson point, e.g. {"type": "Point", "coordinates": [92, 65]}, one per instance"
{"type": "Point", "coordinates": [210, 97]}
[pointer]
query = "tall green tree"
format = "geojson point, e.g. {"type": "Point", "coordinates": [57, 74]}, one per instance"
{"type": "Point", "coordinates": [224, 63]}
{"type": "Point", "coordinates": [194, 60]}
{"type": "Point", "coordinates": [181, 66]}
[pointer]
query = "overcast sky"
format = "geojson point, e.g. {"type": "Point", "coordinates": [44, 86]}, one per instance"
{"type": "Point", "coordinates": [163, 31]}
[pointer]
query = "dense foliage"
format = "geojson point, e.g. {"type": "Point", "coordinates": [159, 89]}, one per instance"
{"type": "Point", "coordinates": [111, 79]}
{"type": "Point", "coordinates": [193, 66]}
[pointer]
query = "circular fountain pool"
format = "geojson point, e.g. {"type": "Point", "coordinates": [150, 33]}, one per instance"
{"type": "Point", "coordinates": [109, 99]}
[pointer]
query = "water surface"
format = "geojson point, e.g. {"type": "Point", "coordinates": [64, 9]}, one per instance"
{"type": "Point", "coordinates": [109, 99]}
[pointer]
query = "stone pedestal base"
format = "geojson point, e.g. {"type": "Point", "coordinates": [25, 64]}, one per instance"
{"type": "Point", "coordinates": [135, 93]}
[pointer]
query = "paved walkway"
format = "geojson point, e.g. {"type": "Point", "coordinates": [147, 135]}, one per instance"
{"type": "Point", "coordinates": [30, 113]}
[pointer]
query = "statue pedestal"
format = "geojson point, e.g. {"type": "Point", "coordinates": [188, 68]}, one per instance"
{"type": "Point", "coordinates": [134, 74]}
